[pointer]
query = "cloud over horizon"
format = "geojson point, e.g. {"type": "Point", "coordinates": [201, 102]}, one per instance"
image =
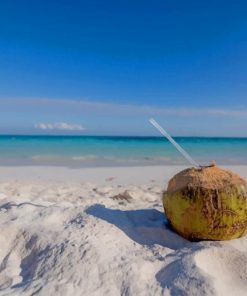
{"type": "Point", "coordinates": [60, 126]}
{"type": "Point", "coordinates": [61, 116]}
{"type": "Point", "coordinates": [126, 109]}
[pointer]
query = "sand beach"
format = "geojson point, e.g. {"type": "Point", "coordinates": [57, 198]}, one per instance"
{"type": "Point", "coordinates": [102, 231]}
{"type": "Point", "coordinates": [102, 104]}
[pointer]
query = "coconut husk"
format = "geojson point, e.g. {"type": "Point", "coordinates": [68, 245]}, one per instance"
{"type": "Point", "coordinates": [207, 203]}
{"type": "Point", "coordinates": [211, 177]}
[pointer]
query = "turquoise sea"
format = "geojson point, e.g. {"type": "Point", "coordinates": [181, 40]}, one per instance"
{"type": "Point", "coordinates": [93, 151]}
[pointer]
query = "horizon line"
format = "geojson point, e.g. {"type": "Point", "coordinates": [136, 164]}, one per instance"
{"type": "Point", "coordinates": [119, 136]}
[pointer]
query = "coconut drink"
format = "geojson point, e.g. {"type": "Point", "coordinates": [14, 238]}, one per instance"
{"type": "Point", "coordinates": [207, 203]}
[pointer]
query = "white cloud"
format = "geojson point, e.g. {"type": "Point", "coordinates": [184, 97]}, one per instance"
{"type": "Point", "coordinates": [60, 126]}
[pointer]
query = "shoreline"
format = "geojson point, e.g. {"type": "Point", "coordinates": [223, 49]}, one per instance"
{"type": "Point", "coordinates": [101, 175]}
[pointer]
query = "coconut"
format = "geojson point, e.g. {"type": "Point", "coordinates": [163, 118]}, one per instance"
{"type": "Point", "coordinates": [207, 204]}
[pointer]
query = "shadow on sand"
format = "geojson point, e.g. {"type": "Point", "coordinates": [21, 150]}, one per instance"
{"type": "Point", "coordinates": [10, 205]}
{"type": "Point", "coordinates": [146, 227]}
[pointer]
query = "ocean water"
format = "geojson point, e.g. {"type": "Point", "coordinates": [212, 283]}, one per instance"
{"type": "Point", "coordinates": [94, 151]}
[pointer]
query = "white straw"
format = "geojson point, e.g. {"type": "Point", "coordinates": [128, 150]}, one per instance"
{"type": "Point", "coordinates": [177, 146]}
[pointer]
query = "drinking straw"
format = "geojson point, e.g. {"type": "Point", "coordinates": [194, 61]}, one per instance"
{"type": "Point", "coordinates": [174, 143]}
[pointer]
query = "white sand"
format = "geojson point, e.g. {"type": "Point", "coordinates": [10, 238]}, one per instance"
{"type": "Point", "coordinates": [63, 234]}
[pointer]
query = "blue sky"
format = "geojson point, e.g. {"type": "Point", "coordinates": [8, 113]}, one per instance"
{"type": "Point", "coordinates": [105, 67]}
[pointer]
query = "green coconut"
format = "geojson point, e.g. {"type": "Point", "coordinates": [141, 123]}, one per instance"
{"type": "Point", "coordinates": [207, 204]}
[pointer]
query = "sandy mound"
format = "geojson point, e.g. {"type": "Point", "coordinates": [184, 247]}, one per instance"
{"type": "Point", "coordinates": [228, 268]}
{"type": "Point", "coordinates": [59, 239]}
